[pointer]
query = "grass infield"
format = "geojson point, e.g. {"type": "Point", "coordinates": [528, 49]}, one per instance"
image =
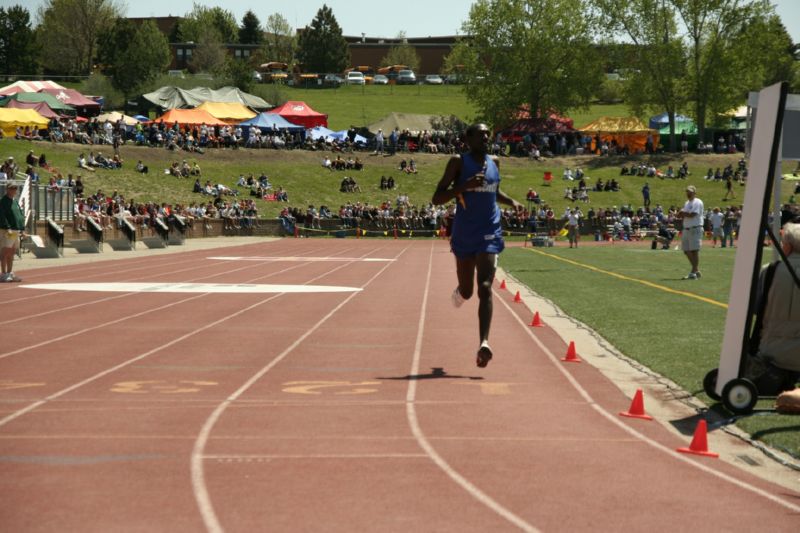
{"type": "Point", "coordinates": [635, 298]}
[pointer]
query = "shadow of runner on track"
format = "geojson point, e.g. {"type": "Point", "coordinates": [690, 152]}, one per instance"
{"type": "Point", "coordinates": [436, 373]}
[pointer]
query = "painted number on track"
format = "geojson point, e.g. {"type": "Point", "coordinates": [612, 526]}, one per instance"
{"type": "Point", "coordinates": [7, 384]}
{"type": "Point", "coordinates": [334, 387]}
{"type": "Point", "coordinates": [160, 387]}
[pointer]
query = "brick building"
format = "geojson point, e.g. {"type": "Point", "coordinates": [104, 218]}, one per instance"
{"type": "Point", "coordinates": [363, 50]}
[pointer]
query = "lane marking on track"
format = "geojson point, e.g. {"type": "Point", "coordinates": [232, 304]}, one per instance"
{"type": "Point", "coordinates": [304, 259]}
{"type": "Point", "coordinates": [611, 417]}
{"type": "Point", "coordinates": [201, 495]}
{"type": "Point", "coordinates": [312, 387]}
{"type": "Point", "coordinates": [270, 457]}
{"type": "Point", "coordinates": [489, 388]}
{"type": "Point", "coordinates": [411, 414]}
{"type": "Point", "coordinates": [635, 280]}
{"type": "Point", "coordinates": [10, 384]}
{"type": "Point", "coordinates": [191, 288]}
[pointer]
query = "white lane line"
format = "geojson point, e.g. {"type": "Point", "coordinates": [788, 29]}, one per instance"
{"type": "Point", "coordinates": [100, 300]}
{"type": "Point", "coordinates": [256, 457]}
{"type": "Point", "coordinates": [411, 414]}
{"type": "Point", "coordinates": [202, 497]}
{"type": "Point", "coordinates": [39, 403]}
{"type": "Point", "coordinates": [135, 315]}
{"type": "Point", "coordinates": [611, 417]}
{"type": "Point", "coordinates": [303, 259]}
{"type": "Point", "coordinates": [189, 287]}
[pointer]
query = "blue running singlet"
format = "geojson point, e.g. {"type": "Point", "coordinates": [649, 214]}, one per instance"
{"type": "Point", "coordinates": [476, 226]}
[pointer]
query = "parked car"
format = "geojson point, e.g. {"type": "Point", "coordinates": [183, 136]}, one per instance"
{"type": "Point", "coordinates": [406, 77]}
{"type": "Point", "coordinates": [331, 80]}
{"type": "Point", "coordinates": [433, 79]}
{"type": "Point", "coordinates": [380, 79]}
{"type": "Point", "coordinates": [452, 79]}
{"type": "Point", "coordinates": [355, 78]}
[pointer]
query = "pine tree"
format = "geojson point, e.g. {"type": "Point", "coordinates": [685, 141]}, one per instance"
{"type": "Point", "coordinates": [250, 30]}
{"type": "Point", "coordinates": [322, 48]}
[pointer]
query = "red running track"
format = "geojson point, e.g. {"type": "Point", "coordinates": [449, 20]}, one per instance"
{"type": "Point", "coordinates": [349, 411]}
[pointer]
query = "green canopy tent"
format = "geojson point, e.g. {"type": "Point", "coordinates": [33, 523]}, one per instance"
{"type": "Point", "coordinates": [35, 98]}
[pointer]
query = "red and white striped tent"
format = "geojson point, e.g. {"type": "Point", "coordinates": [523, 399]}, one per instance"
{"type": "Point", "coordinates": [29, 87]}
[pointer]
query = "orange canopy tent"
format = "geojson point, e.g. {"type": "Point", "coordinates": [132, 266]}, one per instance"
{"type": "Point", "coordinates": [190, 117]}
{"type": "Point", "coordinates": [626, 131]}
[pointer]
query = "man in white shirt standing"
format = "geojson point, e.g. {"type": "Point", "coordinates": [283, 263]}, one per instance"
{"type": "Point", "coordinates": [692, 234]}
{"type": "Point", "coordinates": [716, 218]}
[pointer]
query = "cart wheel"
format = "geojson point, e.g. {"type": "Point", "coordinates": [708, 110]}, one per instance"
{"type": "Point", "coordinates": [710, 384]}
{"type": "Point", "coordinates": [739, 396]}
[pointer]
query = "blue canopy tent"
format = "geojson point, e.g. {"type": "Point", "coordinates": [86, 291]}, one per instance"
{"type": "Point", "coordinates": [321, 132]}
{"type": "Point", "coordinates": [271, 121]}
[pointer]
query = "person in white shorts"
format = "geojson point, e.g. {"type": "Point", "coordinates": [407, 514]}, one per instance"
{"type": "Point", "coordinates": [716, 219]}
{"type": "Point", "coordinates": [12, 224]}
{"type": "Point", "coordinates": [692, 216]}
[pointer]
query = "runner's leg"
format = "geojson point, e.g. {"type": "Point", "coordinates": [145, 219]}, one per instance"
{"type": "Point", "coordinates": [486, 265]}
{"type": "Point", "coordinates": [465, 271]}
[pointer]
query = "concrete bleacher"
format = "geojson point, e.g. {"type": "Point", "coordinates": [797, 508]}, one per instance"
{"type": "Point", "coordinates": [93, 244]}
{"type": "Point", "coordinates": [124, 237]}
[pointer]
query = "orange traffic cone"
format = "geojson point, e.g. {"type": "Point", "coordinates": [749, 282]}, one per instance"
{"type": "Point", "coordinates": [517, 298]}
{"type": "Point", "coordinates": [636, 410]}
{"type": "Point", "coordinates": [572, 356]}
{"type": "Point", "coordinates": [699, 445]}
{"type": "Point", "coordinates": [536, 322]}
{"type": "Point", "coordinates": [503, 284]}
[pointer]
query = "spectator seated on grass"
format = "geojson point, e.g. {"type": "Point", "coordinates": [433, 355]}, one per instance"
{"type": "Point", "coordinates": [83, 163]}
{"type": "Point", "coordinates": [599, 186]}
{"type": "Point", "coordinates": [141, 167]}
{"type": "Point", "coordinates": [349, 185]}
{"type": "Point", "coordinates": [533, 197]}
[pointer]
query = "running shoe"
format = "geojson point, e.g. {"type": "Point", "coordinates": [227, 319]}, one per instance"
{"type": "Point", "coordinates": [457, 299]}
{"type": "Point", "coordinates": [12, 277]}
{"type": "Point", "coordinates": [698, 274]}
{"type": "Point", "coordinates": [484, 355]}
{"type": "Point", "coordinates": [691, 275]}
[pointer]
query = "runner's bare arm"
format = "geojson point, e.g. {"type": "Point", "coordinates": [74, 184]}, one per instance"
{"type": "Point", "coordinates": [445, 191]}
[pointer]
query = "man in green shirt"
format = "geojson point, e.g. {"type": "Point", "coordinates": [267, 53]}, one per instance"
{"type": "Point", "coordinates": [12, 224]}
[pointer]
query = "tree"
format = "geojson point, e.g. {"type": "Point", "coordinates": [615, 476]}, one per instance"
{"type": "Point", "coordinates": [528, 53]}
{"type": "Point", "coordinates": [240, 73]}
{"type": "Point", "coordinates": [765, 52]}
{"type": "Point", "coordinates": [402, 54]}
{"type": "Point", "coordinates": [658, 64]}
{"type": "Point", "coordinates": [136, 54]}
{"type": "Point", "coordinates": [18, 50]}
{"type": "Point", "coordinates": [209, 54]}
{"type": "Point", "coordinates": [194, 25]}
{"type": "Point", "coordinates": [717, 76]}
{"type": "Point", "coordinates": [279, 42]}
{"type": "Point", "coordinates": [250, 30]}
{"type": "Point", "coordinates": [68, 31]}
{"type": "Point", "coordinates": [321, 47]}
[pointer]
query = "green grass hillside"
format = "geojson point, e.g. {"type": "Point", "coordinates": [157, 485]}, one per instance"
{"type": "Point", "coordinates": [301, 173]}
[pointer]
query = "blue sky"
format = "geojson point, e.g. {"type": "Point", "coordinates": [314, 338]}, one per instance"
{"type": "Point", "coordinates": [418, 18]}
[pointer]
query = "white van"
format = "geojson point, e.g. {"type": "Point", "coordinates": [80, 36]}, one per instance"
{"type": "Point", "coordinates": [354, 77]}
